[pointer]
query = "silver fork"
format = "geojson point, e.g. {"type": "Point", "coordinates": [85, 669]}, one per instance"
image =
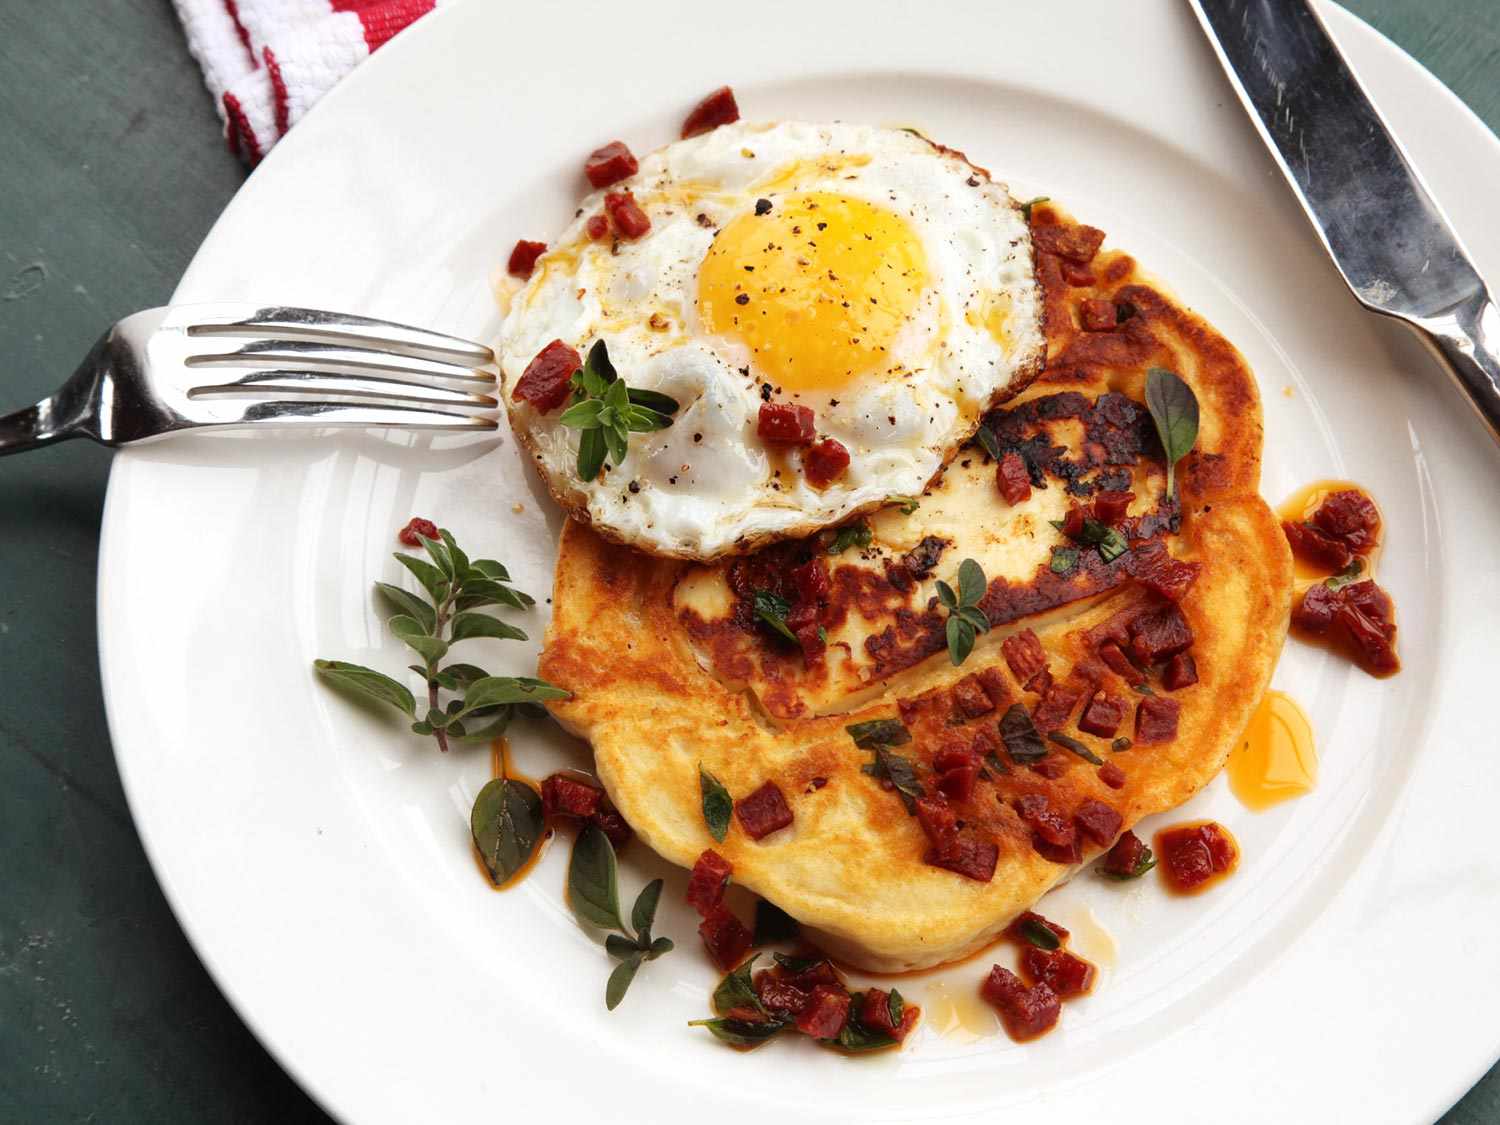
{"type": "Point", "coordinates": [238, 365]}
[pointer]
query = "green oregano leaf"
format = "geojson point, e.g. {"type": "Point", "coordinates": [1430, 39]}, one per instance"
{"type": "Point", "coordinates": [1038, 934]}
{"type": "Point", "coordinates": [619, 980]}
{"type": "Point", "coordinates": [367, 682]}
{"type": "Point", "coordinates": [1022, 741]}
{"type": "Point", "coordinates": [850, 535]}
{"type": "Point", "coordinates": [971, 583]}
{"type": "Point", "coordinates": [409, 604]}
{"type": "Point", "coordinates": [1349, 574]}
{"type": "Point", "coordinates": [855, 1036]}
{"type": "Point", "coordinates": [986, 438]}
{"type": "Point", "coordinates": [1074, 746]}
{"type": "Point", "coordinates": [892, 767]}
{"type": "Point", "coordinates": [1029, 204]}
{"type": "Point", "coordinates": [431, 578]}
{"type": "Point", "coordinates": [1144, 864]}
{"type": "Point", "coordinates": [644, 911]}
{"type": "Point", "coordinates": [737, 990]}
{"type": "Point", "coordinates": [467, 626]}
{"type": "Point", "coordinates": [742, 1033]}
{"type": "Point", "coordinates": [896, 1006]}
{"type": "Point", "coordinates": [879, 732]}
{"type": "Point", "coordinates": [718, 806]}
{"type": "Point", "coordinates": [507, 825]}
{"type": "Point", "coordinates": [1064, 559]}
{"type": "Point", "coordinates": [907, 504]}
{"type": "Point", "coordinates": [1174, 409]}
{"type": "Point", "coordinates": [593, 880]}
{"type": "Point", "coordinates": [772, 610]}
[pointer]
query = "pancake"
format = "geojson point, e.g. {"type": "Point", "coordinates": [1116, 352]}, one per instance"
{"type": "Point", "coordinates": [670, 667]}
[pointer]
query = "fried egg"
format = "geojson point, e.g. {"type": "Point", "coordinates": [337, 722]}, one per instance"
{"type": "Point", "coordinates": [867, 274]}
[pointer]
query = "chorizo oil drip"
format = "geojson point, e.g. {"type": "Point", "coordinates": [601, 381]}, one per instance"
{"type": "Point", "coordinates": [501, 765]}
{"type": "Point", "coordinates": [1277, 758]}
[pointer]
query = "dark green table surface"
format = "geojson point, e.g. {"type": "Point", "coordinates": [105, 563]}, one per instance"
{"type": "Point", "coordinates": [112, 169]}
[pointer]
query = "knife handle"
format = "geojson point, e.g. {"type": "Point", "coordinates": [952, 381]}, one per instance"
{"type": "Point", "coordinates": [1467, 342]}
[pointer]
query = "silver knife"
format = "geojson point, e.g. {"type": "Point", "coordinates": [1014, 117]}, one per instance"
{"type": "Point", "coordinates": [1385, 234]}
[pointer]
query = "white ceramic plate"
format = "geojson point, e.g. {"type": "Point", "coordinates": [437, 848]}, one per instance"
{"type": "Point", "coordinates": [318, 857]}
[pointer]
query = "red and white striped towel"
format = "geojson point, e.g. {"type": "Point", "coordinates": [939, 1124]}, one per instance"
{"type": "Point", "coordinates": [267, 61]}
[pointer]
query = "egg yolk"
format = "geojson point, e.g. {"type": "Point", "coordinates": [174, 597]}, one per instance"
{"type": "Point", "coordinates": [817, 287]}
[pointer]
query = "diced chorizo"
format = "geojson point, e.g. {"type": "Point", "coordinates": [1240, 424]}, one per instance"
{"type": "Point", "coordinates": [1316, 546]}
{"type": "Point", "coordinates": [1012, 478]}
{"type": "Point", "coordinates": [613, 825]}
{"type": "Point", "coordinates": [763, 812]}
{"type": "Point", "coordinates": [1181, 671]}
{"type": "Point", "coordinates": [780, 997]}
{"type": "Point", "coordinates": [1158, 634]}
{"type": "Point", "coordinates": [824, 462]}
{"type": "Point", "coordinates": [957, 784]}
{"type": "Point", "coordinates": [610, 164]}
{"type": "Point", "coordinates": [1192, 855]}
{"type": "Point", "coordinates": [1025, 1012]}
{"type": "Point", "coordinates": [1025, 655]}
{"type": "Point", "coordinates": [597, 226]}
{"type": "Point", "coordinates": [1350, 515]}
{"type": "Point", "coordinates": [937, 820]}
{"type": "Point", "coordinates": [1112, 505]}
{"type": "Point", "coordinates": [827, 1010]}
{"type": "Point", "coordinates": [785, 423]}
{"type": "Point", "coordinates": [1097, 314]}
{"type": "Point", "coordinates": [811, 581]}
{"type": "Point", "coordinates": [1154, 567]}
{"type": "Point", "coordinates": [1367, 617]}
{"type": "Point", "coordinates": [523, 257]}
{"type": "Point", "coordinates": [1016, 931]}
{"type": "Point", "coordinates": [1056, 707]}
{"type": "Point", "coordinates": [1077, 243]}
{"type": "Point", "coordinates": [1125, 856]}
{"type": "Point", "coordinates": [970, 698]}
{"type": "Point", "coordinates": [1114, 656]}
{"type": "Point", "coordinates": [707, 882]}
{"type": "Point", "coordinates": [545, 383]}
{"type": "Point", "coordinates": [875, 1012]}
{"type": "Point", "coordinates": [1061, 971]}
{"type": "Point", "coordinates": [725, 937]}
{"type": "Point", "coordinates": [971, 858]}
{"type": "Point", "coordinates": [1314, 610]}
{"type": "Point", "coordinates": [625, 214]}
{"type": "Point", "coordinates": [718, 108]}
{"type": "Point", "coordinates": [564, 795]}
{"type": "Point", "coordinates": [1112, 775]}
{"type": "Point", "coordinates": [1098, 821]}
{"type": "Point", "coordinates": [1103, 715]}
{"type": "Point", "coordinates": [1156, 720]}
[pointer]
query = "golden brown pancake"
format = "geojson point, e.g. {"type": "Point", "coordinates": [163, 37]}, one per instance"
{"type": "Point", "coordinates": [670, 667]}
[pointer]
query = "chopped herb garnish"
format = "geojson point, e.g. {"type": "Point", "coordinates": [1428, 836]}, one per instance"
{"type": "Point", "coordinates": [1142, 688]}
{"type": "Point", "coordinates": [879, 732]}
{"type": "Point", "coordinates": [902, 775]}
{"type": "Point", "coordinates": [850, 535]}
{"type": "Point", "coordinates": [608, 412]}
{"type": "Point", "coordinates": [1349, 574]}
{"type": "Point", "coordinates": [1064, 559]}
{"type": "Point", "coordinates": [986, 438]}
{"type": "Point", "coordinates": [1174, 409]}
{"type": "Point", "coordinates": [1110, 542]}
{"type": "Point", "coordinates": [772, 609]}
{"type": "Point", "coordinates": [742, 1033]}
{"type": "Point", "coordinates": [965, 619]}
{"type": "Point", "coordinates": [992, 760]}
{"type": "Point", "coordinates": [1022, 741]}
{"type": "Point", "coordinates": [907, 504]}
{"type": "Point", "coordinates": [1038, 933]}
{"type": "Point", "coordinates": [855, 1036]}
{"type": "Point", "coordinates": [1121, 744]}
{"type": "Point", "coordinates": [1142, 865]}
{"type": "Point", "coordinates": [1030, 203]}
{"type": "Point", "coordinates": [718, 806]}
{"type": "Point", "coordinates": [1069, 743]}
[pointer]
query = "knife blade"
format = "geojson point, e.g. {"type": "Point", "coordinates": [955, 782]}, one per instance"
{"type": "Point", "coordinates": [1368, 204]}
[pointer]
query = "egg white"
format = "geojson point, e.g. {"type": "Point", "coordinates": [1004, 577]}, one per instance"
{"type": "Point", "coordinates": [707, 485]}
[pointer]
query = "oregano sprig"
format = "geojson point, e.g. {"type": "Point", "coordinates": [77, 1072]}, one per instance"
{"type": "Point", "coordinates": [1174, 409]}
{"type": "Point", "coordinates": [446, 611]}
{"type": "Point", "coordinates": [607, 412]}
{"type": "Point", "coordinates": [965, 619]}
{"type": "Point", "coordinates": [594, 892]}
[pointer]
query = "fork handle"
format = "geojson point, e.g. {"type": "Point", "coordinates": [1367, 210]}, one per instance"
{"type": "Point", "coordinates": [35, 426]}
